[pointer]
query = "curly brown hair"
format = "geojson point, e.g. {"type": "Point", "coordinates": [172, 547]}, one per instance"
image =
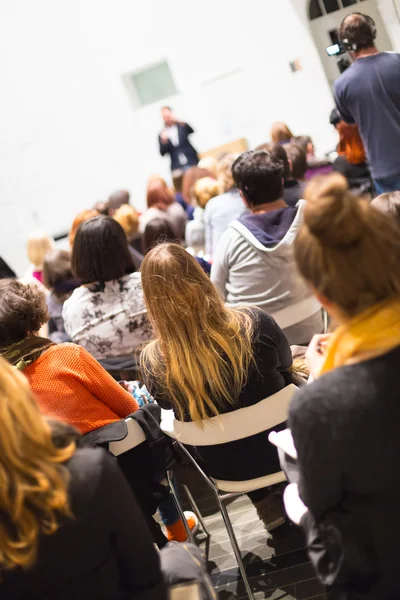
{"type": "Point", "coordinates": [23, 310]}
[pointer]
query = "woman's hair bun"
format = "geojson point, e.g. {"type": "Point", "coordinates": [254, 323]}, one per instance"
{"type": "Point", "coordinates": [332, 214]}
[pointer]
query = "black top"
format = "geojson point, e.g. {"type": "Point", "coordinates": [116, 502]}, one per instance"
{"type": "Point", "coordinates": [184, 147]}
{"type": "Point", "coordinates": [293, 191]}
{"type": "Point", "coordinates": [6, 272]}
{"type": "Point", "coordinates": [356, 175]}
{"type": "Point", "coordinates": [345, 427]}
{"type": "Point", "coordinates": [368, 93]}
{"type": "Point", "coordinates": [247, 458]}
{"type": "Point", "coordinates": [104, 553]}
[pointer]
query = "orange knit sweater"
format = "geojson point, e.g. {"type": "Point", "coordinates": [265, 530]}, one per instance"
{"type": "Point", "coordinates": [71, 386]}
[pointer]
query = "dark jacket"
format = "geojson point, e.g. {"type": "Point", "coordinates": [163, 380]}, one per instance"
{"type": "Point", "coordinates": [345, 429]}
{"type": "Point", "coordinates": [184, 147]}
{"type": "Point", "coordinates": [104, 553]}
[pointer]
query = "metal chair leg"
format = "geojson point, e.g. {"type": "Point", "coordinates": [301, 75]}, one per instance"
{"type": "Point", "coordinates": [179, 509]}
{"type": "Point", "coordinates": [196, 510]}
{"type": "Point", "coordinates": [235, 546]}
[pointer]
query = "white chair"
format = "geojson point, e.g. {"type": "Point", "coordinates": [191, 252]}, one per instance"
{"type": "Point", "coordinates": [230, 427]}
{"type": "Point", "coordinates": [134, 438]}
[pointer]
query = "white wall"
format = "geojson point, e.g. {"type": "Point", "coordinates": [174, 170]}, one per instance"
{"type": "Point", "coordinates": [68, 133]}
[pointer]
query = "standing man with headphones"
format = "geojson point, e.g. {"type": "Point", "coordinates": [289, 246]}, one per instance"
{"type": "Point", "coordinates": [368, 93]}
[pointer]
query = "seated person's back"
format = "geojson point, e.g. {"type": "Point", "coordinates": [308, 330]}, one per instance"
{"type": "Point", "coordinates": [79, 532]}
{"type": "Point", "coordinates": [106, 314]}
{"type": "Point", "coordinates": [68, 382]}
{"type": "Point", "coordinates": [217, 359]}
{"type": "Point", "coordinates": [254, 263]}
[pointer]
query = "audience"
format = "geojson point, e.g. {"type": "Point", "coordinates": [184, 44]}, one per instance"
{"type": "Point", "coordinates": [204, 190]}
{"type": "Point", "coordinates": [389, 204]}
{"type": "Point", "coordinates": [254, 263]}
{"type": "Point", "coordinates": [177, 179]}
{"type": "Point", "coordinates": [352, 160]}
{"type": "Point", "coordinates": [280, 133]}
{"type": "Point", "coordinates": [38, 245]}
{"type": "Point", "coordinates": [106, 314]}
{"type": "Point", "coordinates": [58, 278]}
{"type": "Point", "coordinates": [345, 424]}
{"type": "Point", "coordinates": [316, 166]}
{"type": "Point", "coordinates": [293, 190]}
{"type": "Point", "coordinates": [69, 384]}
{"type": "Point", "coordinates": [298, 165]}
{"type": "Point", "coordinates": [208, 359]}
{"type": "Point", "coordinates": [80, 218]}
{"type": "Point", "coordinates": [161, 204]}
{"type": "Point", "coordinates": [116, 200]}
{"type": "Point", "coordinates": [70, 526]}
{"type": "Point", "coordinates": [190, 177]}
{"type": "Point", "coordinates": [128, 218]}
{"type": "Point", "coordinates": [210, 164]}
{"type": "Point", "coordinates": [157, 231]}
{"type": "Point", "coordinates": [223, 209]}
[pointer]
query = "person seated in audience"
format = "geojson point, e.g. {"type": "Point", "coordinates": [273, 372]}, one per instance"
{"type": "Point", "coordinates": [116, 200]}
{"type": "Point", "coordinates": [68, 382]}
{"type": "Point", "coordinates": [208, 359]}
{"type": "Point", "coordinates": [352, 159]}
{"type": "Point", "coordinates": [177, 180]}
{"type": "Point", "coordinates": [58, 278]}
{"type": "Point", "coordinates": [316, 166]}
{"type": "Point", "coordinates": [298, 165]}
{"type": "Point", "coordinates": [80, 218]}
{"type": "Point", "coordinates": [211, 164]}
{"type": "Point", "coordinates": [161, 204]}
{"type": "Point", "coordinates": [106, 314]}
{"type": "Point", "coordinates": [128, 218]}
{"type": "Point", "coordinates": [156, 232]}
{"type": "Point", "coordinates": [38, 245]}
{"type": "Point", "coordinates": [222, 209]}
{"type": "Point", "coordinates": [292, 189]}
{"type": "Point", "coordinates": [280, 133]}
{"type": "Point", "coordinates": [204, 190]}
{"type": "Point", "coordinates": [254, 263]}
{"type": "Point", "coordinates": [70, 525]}
{"type": "Point", "coordinates": [190, 177]}
{"type": "Point", "coordinates": [345, 424]}
{"type": "Point", "coordinates": [389, 204]}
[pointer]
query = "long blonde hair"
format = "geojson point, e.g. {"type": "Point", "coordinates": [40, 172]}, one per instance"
{"type": "Point", "coordinates": [33, 482]}
{"type": "Point", "coordinates": [202, 353]}
{"type": "Point", "coordinates": [346, 249]}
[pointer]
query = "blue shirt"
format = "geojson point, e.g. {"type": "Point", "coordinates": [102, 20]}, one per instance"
{"type": "Point", "coordinates": [368, 93]}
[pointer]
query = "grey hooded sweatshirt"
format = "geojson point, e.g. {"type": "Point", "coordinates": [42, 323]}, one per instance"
{"type": "Point", "coordinates": [254, 266]}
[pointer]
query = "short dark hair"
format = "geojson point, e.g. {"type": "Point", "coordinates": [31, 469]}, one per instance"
{"type": "Point", "coordinates": [259, 177]}
{"type": "Point", "coordinates": [101, 252]}
{"type": "Point", "coordinates": [357, 31]}
{"type": "Point", "coordinates": [303, 141]}
{"type": "Point", "coordinates": [23, 311]}
{"type": "Point", "coordinates": [298, 158]}
{"type": "Point", "coordinates": [166, 108]}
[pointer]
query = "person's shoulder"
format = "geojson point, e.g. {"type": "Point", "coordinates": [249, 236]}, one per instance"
{"type": "Point", "coordinates": [68, 353]}
{"type": "Point", "coordinates": [348, 76]}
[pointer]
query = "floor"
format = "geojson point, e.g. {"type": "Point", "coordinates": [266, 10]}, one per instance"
{"type": "Point", "coordinates": [278, 569]}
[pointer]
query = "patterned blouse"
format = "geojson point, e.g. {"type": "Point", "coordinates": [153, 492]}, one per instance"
{"type": "Point", "coordinates": [108, 320]}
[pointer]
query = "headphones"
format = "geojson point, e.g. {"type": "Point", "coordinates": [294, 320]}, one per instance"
{"type": "Point", "coordinates": [352, 46]}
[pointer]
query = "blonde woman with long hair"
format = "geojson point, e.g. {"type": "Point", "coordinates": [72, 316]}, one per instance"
{"type": "Point", "coordinates": [70, 526]}
{"type": "Point", "coordinates": [207, 359]}
{"type": "Point", "coordinates": [345, 425]}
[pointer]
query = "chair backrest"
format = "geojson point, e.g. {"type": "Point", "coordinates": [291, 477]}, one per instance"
{"type": "Point", "coordinates": [229, 427]}
{"type": "Point", "coordinates": [134, 438]}
{"type": "Point", "coordinates": [185, 591]}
